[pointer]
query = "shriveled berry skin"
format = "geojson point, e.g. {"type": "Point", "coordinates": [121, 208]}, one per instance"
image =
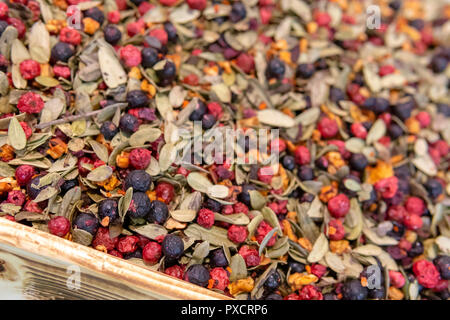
{"type": "Point", "coordinates": [158, 212]}
{"type": "Point", "coordinates": [339, 206]}
{"type": "Point", "coordinates": [139, 207]}
{"type": "Point", "coordinates": [275, 69]}
{"type": "Point", "coordinates": [109, 208]}
{"type": "Point", "coordinates": [220, 278]}
{"type": "Point", "coordinates": [24, 173]}
{"type": "Point", "coordinates": [102, 238]}
{"type": "Point", "coordinates": [174, 271]}
{"type": "Point", "coordinates": [62, 52]}
{"type": "Point", "coordinates": [30, 69]}
{"type": "Point", "coordinates": [165, 191]}
{"type": "Point", "coordinates": [128, 244]}
{"type": "Point", "coordinates": [443, 265]}
{"type": "Point", "coordinates": [302, 155]}
{"type": "Point", "coordinates": [129, 123]}
{"type": "Point", "coordinates": [112, 34]}
{"type": "Point", "coordinates": [273, 281]}
{"type": "Point", "coordinates": [16, 197]}
{"type": "Point", "coordinates": [263, 229]}
{"type": "Point", "coordinates": [237, 234]}
{"type": "Point", "coordinates": [167, 74]}
{"type": "Point", "coordinates": [140, 158]}
{"type": "Point", "coordinates": [149, 57]}
{"type": "Point", "coordinates": [426, 273]}
{"type": "Point", "coordinates": [59, 226]}
{"type": "Point", "coordinates": [172, 247]}
{"type": "Point", "coordinates": [218, 258]}
{"type": "Point", "coordinates": [151, 252]}
{"type": "Point", "coordinates": [328, 128]}
{"type": "Point", "coordinates": [353, 290]}
{"type": "Point", "coordinates": [199, 111]}
{"type": "Point", "coordinates": [250, 255]}
{"type": "Point", "coordinates": [137, 99]}
{"type": "Point", "coordinates": [139, 180]}
{"type": "Point", "coordinates": [131, 56]}
{"type": "Point", "coordinates": [30, 102]}
{"type": "Point", "coordinates": [87, 222]}
{"type": "Point", "coordinates": [197, 274]}
{"type": "Point", "coordinates": [205, 218]}
{"type": "Point", "coordinates": [109, 130]}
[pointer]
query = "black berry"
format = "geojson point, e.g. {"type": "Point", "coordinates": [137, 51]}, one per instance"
{"type": "Point", "coordinates": [172, 247]}
{"type": "Point", "coordinates": [336, 94]}
{"type": "Point", "coordinates": [275, 69]}
{"type": "Point", "coordinates": [305, 70]}
{"type": "Point", "coordinates": [238, 12]}
{"type": "Point", "coordinates": [438, 64]}
{"type": "Point", "coordinates": [288, 162]}
{"type": "Point", "coordinates": [87, 222]}
{"type": "Point", "coordinates": [296, 267]}
{"type": "Point", "coordinates": [139, 180]}
{"type": "Point", "coordinates": [212, 205]}
{"type": "Point", "coordinates": [109, 208]}
{"type": "Point", "coordinates": [62, 52]}
{"type": "Point", "coordinates": [112, 34]}
{"type": "Point", "coordinates": [305, 173]}
{"type": "Point", "coordinates": [158, 212]}
{"type": "Point", "coordinates": [274, 296]}
{"type": "Point", "coordinates": [67, 185]}
{"type": "Point", "coordinates": [3, 25]}
{"type": "Point", "coordinates": [358, 162]}
{"type": "Point", "coordinates": [137, 99]}
{"type": "Point", "coordinates": [171, 31]}
{"type": "Point", "coordinates": [149, 57]}
{"type": "Point", "coordinates": [443, 265]}
{"type": "Point", "coordinates": [434, 188]}
{"type": "Point", "coordinates": [244, 196]}
{"type": "Point", "coordinates": [403, 109]}
{"type": "Point", "coordinates": [199, 111]}
{"type": "Point", "coordinates": [377, 105]}
{"type": "Point", "coordinates": [218, 258]}
{"type": "Point", "coordinates": [197, 274]}
{"type": "Point", "coordinates": [353, 290]}
{"type": "Point", "coordinates": [208, 120]}
{"type": "Point", "coordinates": [129, 123]}
{"type": "Point", "coordinates": [95, 13]}
{"type": "Point", "coordinates": [273, 281]}
{"type": "Point", "coordinates": [32, 189]}
{"type": "Point", "coordinates": [167, 74]}
{"type": "Point", "coordinates": [109, 130]}
{"type": "Point", "coordinates": [395, 131]}
{"type": "Point", "coordinates": [139, 207]}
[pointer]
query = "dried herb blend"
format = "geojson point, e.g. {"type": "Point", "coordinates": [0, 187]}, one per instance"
{"type": "Point", "coordinates": [99, 98]}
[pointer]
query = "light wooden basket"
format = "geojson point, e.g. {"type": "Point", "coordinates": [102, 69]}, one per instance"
{"type": "Point", "coordinates": [35, 264]}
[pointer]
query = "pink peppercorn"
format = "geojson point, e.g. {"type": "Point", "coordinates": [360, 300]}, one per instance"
{"type": "Point", "coordinates": [70, 35]}
{"type": "Point", "coordinates": [386, 69]}
{"type": "Point", "coordinates": [144, 7]}
{"type": "Point", "coordinates": [121, 5]}
{"type": "Point", "coordinates": [412, 221]}
{"type": "Point", "coordinates": [396, 279]}
{"type": "Point", "coordinates": [205, 218]}
{"type": "Point", "coordinates": [103, 238]}
{"type": "Point", "coordinates": [152, 252]}
{"type": "Point", "coordinates": [246, 62]}
{"type": "Point", "coordinates": [237, 234]}
{"type": "Point", "coordinates": [183, 171]}
{"type": "Point", "coordinates": [302, 155]}
{"type": "Point", "coordinates": [174, 271]}
{"type": "Point", "coordinates": [196, 4]}
{"type": "Point", "coordinates": [4, 10]}
{"type": "Point", "coordinates": [239, 207]}
{"type": "Point", "coordinates": [386, 117]}
{"type": "Point", "coordinates": [426, 273]}
{"type": "Point", "coordinates": [113, 16]}
{"type": "Point", "coordinates": [318, 270]}
{"type": "Point", "coordinates": [322, 18]}
{"type": "Point", "coordinates": [115, 253]}
{"type": "Point", "coordinates": [387, 187]}
{"type": "Point", "coordinates": [30, 102]}
{"type": "Point", "coordinates": [168, 3]}
{"type": "Point", "coordinates": [263, 229]}
{"type": "Point", "coordinates": [404, 244]}
{"type": "Point", "coordinates": [250, 255]}
{"type": "Point", "coordinates": [16, 197]}
{"type": "Point", "coordinates": [424, 119]}
{"type": "Point", "coordinates": [61, 71]}
{"type": "Point", "coordinates": [135, 28]}
{"type": "Point", "coordinates": [310, 292]}
{"type": "Point", "coordinates": [140, 158]}
{"type": "Point", "coordinates": [265, 174]}
{"type": "Point", "coordinates": [220, 278]}
{"type": "Point", "coordinates": [358, 130]}
{"type": "Point", "coordinates": [18, 24]}
{"type": "Point", "coordinates": [396, 213]}
{"type": "Point", "coordinates": [227, 209]}
{"type": "Point", "coordinates": [24, 173]}
{"type": "Point", "coordinates": [442, 147]}
{"type": "Point", "coordinates": [59, 226]}
{"type": "Point", "coordinates": [215, 109]}
{"type": "Point", "coordinates": [165, 191]}
{"type": "Point", "coordinates": [32, 206]}
{"type": "Point", "coordinates": [26, 128]}
{"type": "Point", "coordinates": [131, 56]}
{"type": "Point", "coordinates": [127, 244]}
{"type": "Point", "coordinates": [336, 230]}
{"type": "Point", "coordinates": [159, 34]}
{"type": "Point", "coordinates": [339, 206]}
{"type": "Point", "coordinates": [30, 69]}
{"type": "Point", "coordinates": [328, 128]}
{"type": "Point", "coordinates": [266, 14]}
{"type": "Point", "coordinates": [415, 205]}
{"type": "Point", "coordinates": [277, 146]}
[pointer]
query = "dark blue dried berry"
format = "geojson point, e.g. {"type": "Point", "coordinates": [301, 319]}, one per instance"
{"type": "Point", "coordinates": [129, 123]}
{"type": "Point", "coordinates": [139, 207]}
{"type": "Point", "coordinates": [212, 205]}
{"type": "Point", "coordinates": [273, 281]}
{"type": "Point", "coordinates": [442, 263]}
{"type": "Point", "coordinates": [274, 296]}
{"type": "Point", "coordinates": [305, 70]}
{"type": "Point", "coordinates": [275, 69]}
{"type": "Point", "coordinates": [199, 111]}
{"type": "Point", "coordinates": [167, 74]}
{"type": "Point", "coordinates": [395, 131]}
{"type": "Point", "coordinates": [139, 180]}
{"type": "Point", "coordinates": [87, 222]}
{"type": "Point", "coordinates": [336, 94]}
{"type": "Point", "coordinates": [136, 254]}
{"type": "Point", "coordinates": [208, 120]}
{"type": "Point", "coordinates": [32, 189]}
{"type": "Point", "coordinates": [149, 57]}
{"type": "Point", "coordinates": [171, 31]}
{"type": "Point", "coordinates": [112, 34]}
{"type": "Point", "coordinates": [95, 13]}
{"type": "Point", "coordinates": [197, 274]}
{"type": "Point", "coordinates": [109, 208]}
{"type": "Point", "coordinates": [353, 290]}
{"type": "Point", "coordinates": [62, 51]}
{"type": "Point", "coordinates": [288, 162]}
{"type": "Point", "coordinates": [377, 293]}
{"type": "Point", "coordinates": [438, 64]}
{"type": "Point", "coordinates": [172, 247]}
{"type": "Point", "coordinates": [296, 267]}
{"type": "Point", "coordinates": [158, 212]}
{"type": "Point", "coordinates": [3, 25]}
{"type": "Point", "coordinates": [109, 130]}
{"type": "Point", "coordinates": [244, 196]}
{"type": "Point", "coordinates": [403, 109]}
{"type": "Point", "coordinates": [137, 99]}
{"type": "Point", "coordinates": [305, 173]}
{"type": "Point", "coordinates": [377, 105]}
{"type": "Point", "coordinates": [218, 258]}
{"type": "Point", "coordinates": [67, 185]}
{"type": "Point", "coordinates": [238, 12]}
{"type": "Point", "coordinates": [358, 162]}
{"type": "Point", "coordinates": [434, 188]}
{"type": "Point", "coordinates": [416, 249]}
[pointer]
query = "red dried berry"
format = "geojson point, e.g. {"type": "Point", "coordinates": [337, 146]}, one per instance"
{"type": "Point", "coordinates": [205, 218]}
{"type": "Point", "coordinates": [30, 102]}
{"type": "Point", "coordinates": [140, 158]}
{"type": "Point", "coordinates": [102, 238]}
{"type": "Point", "coordinates": [412, 221]}
{"type": "Point", "coordinates": [386, 69]}
{"type": "Point", "coordinates": [250, 255]}
{"type": "Point", "coordinates": [174, 271]}
{"type": "Point", "coordinates": [191, 79]}
{"type": "Point", "coordinates": [442, 147]}
{"type": "Point", "coordinates": [265, 174]}
{"type": "Point", "coordinates": [131, 56]}
{"type": "Point", "coordinates": [220, 278]}
{"type": "Point", "coordinates": [70, 35]}
{"type": "Point", "coordinates": [339, 206]}
{"type": "Point", "coordinates": [239, 207]}
{"type": "Point", "coordinates": [215, 109]}
{"type": "Point", "coordinates": [26, 128]}
{"type": "Point", "coordinates": [310, 292]}
{"type": "Point", "coordinates": [159, 34]}
{"type": "Point", "coordinates": [113, 16]}
{"type": "Point", "coordinates": [265, 13]}
{"type": "Point", "coordinates": [318, 270]}
{"type": "Point", "coordinates": [32, 206]}
{"type": "Point", "coordinates": [81, 169]}
{"type": "Point", "coordinates": [165, 191]}
{"type": "Point", "coordinates": [396, 279]}
{"type": "Point", "coordinates": [121, 5]}
{"type": "Point", "coordinates": [196, 4]}
{"type": "Point", "coordinates": [237, 234]}
{"type": "Point", "coordinates": [168, 3]}
{"type": "Point", "coordinates": [341, 146]}
{"type": "Point", "coordinates": [292, 296]}
{"type": "Point", "coordinates": [396, 213]}
{"type": "Point", "coordinates": [277, 146]}
{"type": "Point", "coordinates": [135, 28]}
{"type": "Point", "coordinates": [128, 244]}
{"type": "Point", "coordinates": [115, 253]}
{"type": "Point", "coordinates": [323, 19]}
{"type": "Point", "coordinates": [59, 226]}
{"type": "Point", "coordinates": [16, 197]}
{"type": "Point", "coordinates": [263, 229]}
{"type": "Point", "coordinates": [246, 62]}
{"type": "Point", "coordinates": [302, 155]}
{"type": "Point", "coordinates": [336, 230]}
{"type": "Point", "coordinates": [328, 128]}
{"type": "Point", "coordinates": [144, 7]}
{"type": "Point", "coordinates": [152, 252]}
{"type": "Point", "coordinates": [426, 273]}
{"type": "Point", "coordinates": [24, 173]}
{"type": "Point", "coordinates": [4, 10]}
{"type": "Point", "coordinates": [415, 205]}
{"type": "Point", "coordinates": [404, 244]}
{"type": "Point", "coordinates": [61, 71]}
{"type": "Point", "coordinates": [387, 187]}
{"type": "Point", "coordinates": [29, 69]}
{"type": "Point", "coordinates": [358, 130]}
{"type": "Point", "coordinates": [18, 24]}
{"type": "Point", "coordinates": [386, 117]}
